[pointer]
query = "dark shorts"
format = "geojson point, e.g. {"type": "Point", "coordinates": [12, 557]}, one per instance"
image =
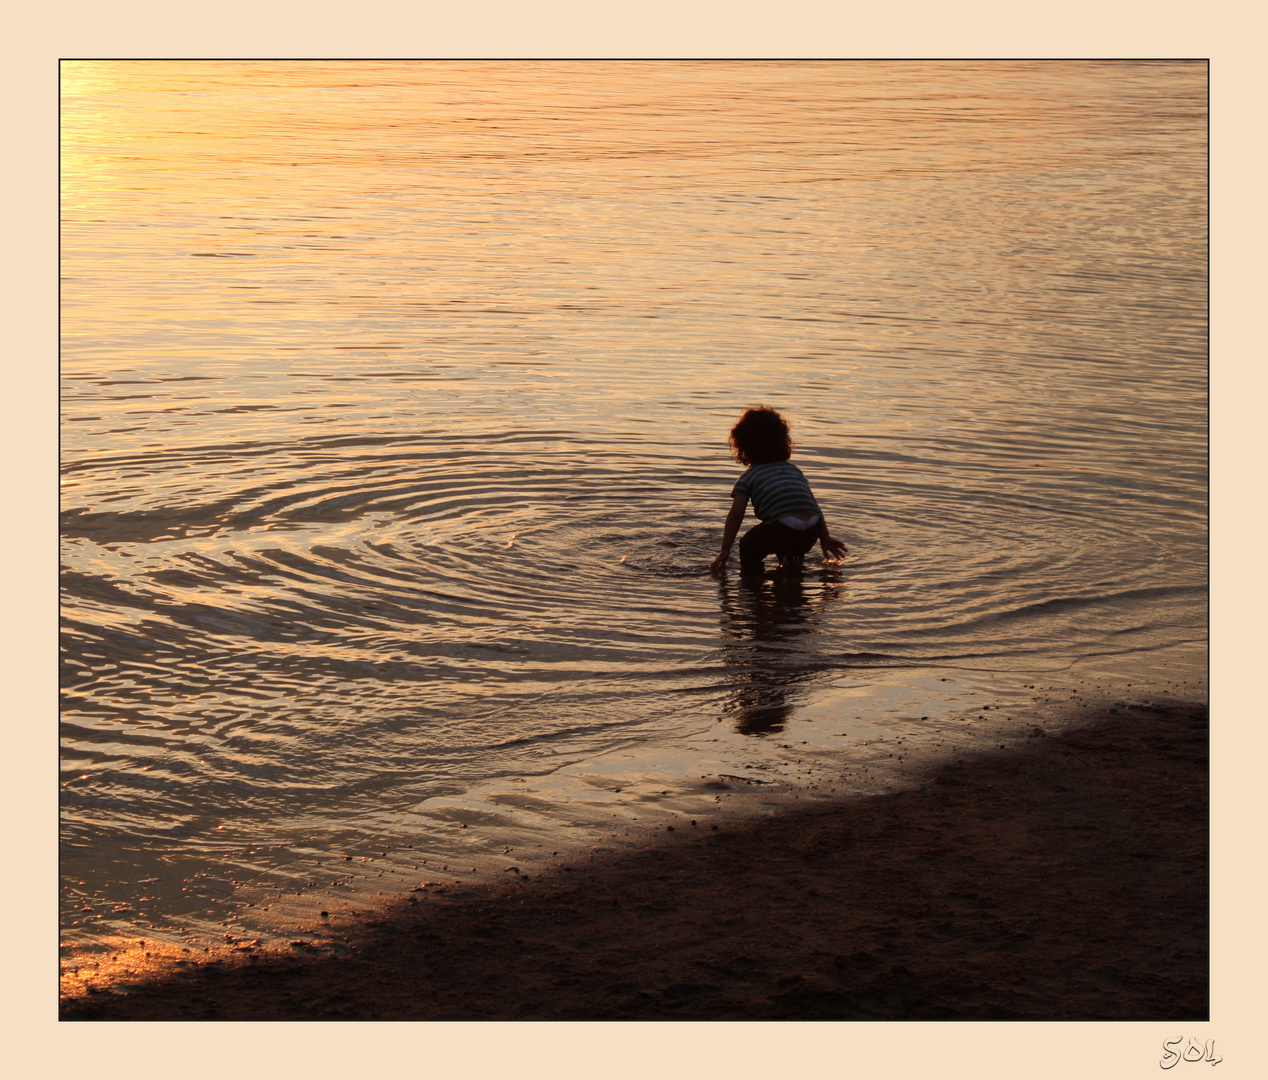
{"type": "Point", "coordinates": [775, 538]}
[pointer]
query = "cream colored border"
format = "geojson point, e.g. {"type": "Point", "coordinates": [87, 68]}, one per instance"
{"type": "Point", "coordinates": [1228, 33]}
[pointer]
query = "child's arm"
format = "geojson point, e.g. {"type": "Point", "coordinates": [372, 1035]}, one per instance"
{"type": "Point", "coordinates": [733, 521]}
{"type": "Point", "coordinates": [832, 549]}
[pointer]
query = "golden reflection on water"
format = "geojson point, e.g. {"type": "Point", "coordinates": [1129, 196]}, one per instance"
{"type": "Point", "coordinates": [396, 398]}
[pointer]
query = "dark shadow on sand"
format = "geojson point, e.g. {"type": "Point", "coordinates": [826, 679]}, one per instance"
{"type": "Point", "coordinates": [1065, 878]}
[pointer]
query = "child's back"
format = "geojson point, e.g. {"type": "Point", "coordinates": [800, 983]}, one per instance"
{"type": "Point", "coordinates": [791, 519]}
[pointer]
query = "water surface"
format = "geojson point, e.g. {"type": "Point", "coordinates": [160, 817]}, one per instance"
{"type": "Point", "coordinates": [394, 420]}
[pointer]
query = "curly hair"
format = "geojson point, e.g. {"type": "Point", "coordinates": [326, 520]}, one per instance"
{"type": "Point", "coordinates": [761, 437]}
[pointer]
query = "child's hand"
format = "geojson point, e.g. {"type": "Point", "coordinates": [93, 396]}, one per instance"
{"type": "Point", "coordinates": [833, 550]}
{"type": "Point", "coordinates": [718, 564]}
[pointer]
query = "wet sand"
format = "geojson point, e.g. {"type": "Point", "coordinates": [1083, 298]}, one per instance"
{"type": "Point", "coordinates": [1065, 878]}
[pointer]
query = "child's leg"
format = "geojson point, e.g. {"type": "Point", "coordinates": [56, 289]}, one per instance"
{"type": "Point", "coordinates": [794, 545]}
{"type": "Point", "coordinates": [760, 541]}
{"type": "Point", "coordinates": [775, 538]}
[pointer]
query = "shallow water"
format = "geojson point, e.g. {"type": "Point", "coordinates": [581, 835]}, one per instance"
{"type": "Point", "coordinates": [394, 420]}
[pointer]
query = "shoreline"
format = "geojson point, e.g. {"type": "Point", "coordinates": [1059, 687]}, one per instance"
{"type": "Point", "coordinates": [1062, 878]}
{"type": "Point", "coordinates": [258, 883]}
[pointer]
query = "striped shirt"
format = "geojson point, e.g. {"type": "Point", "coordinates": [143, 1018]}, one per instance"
{"type": "Point", "coordinates": [776, 488]}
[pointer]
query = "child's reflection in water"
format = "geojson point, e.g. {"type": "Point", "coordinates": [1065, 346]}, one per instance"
{"type": "Point", "coordinates": [770, 626]}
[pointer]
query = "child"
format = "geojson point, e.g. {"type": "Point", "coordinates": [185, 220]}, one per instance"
{"type": "Point", "coordinates": [791, 519]}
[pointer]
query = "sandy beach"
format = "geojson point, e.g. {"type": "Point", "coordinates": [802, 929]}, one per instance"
{"type": "Point", "coordinates": [1066, 878]}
